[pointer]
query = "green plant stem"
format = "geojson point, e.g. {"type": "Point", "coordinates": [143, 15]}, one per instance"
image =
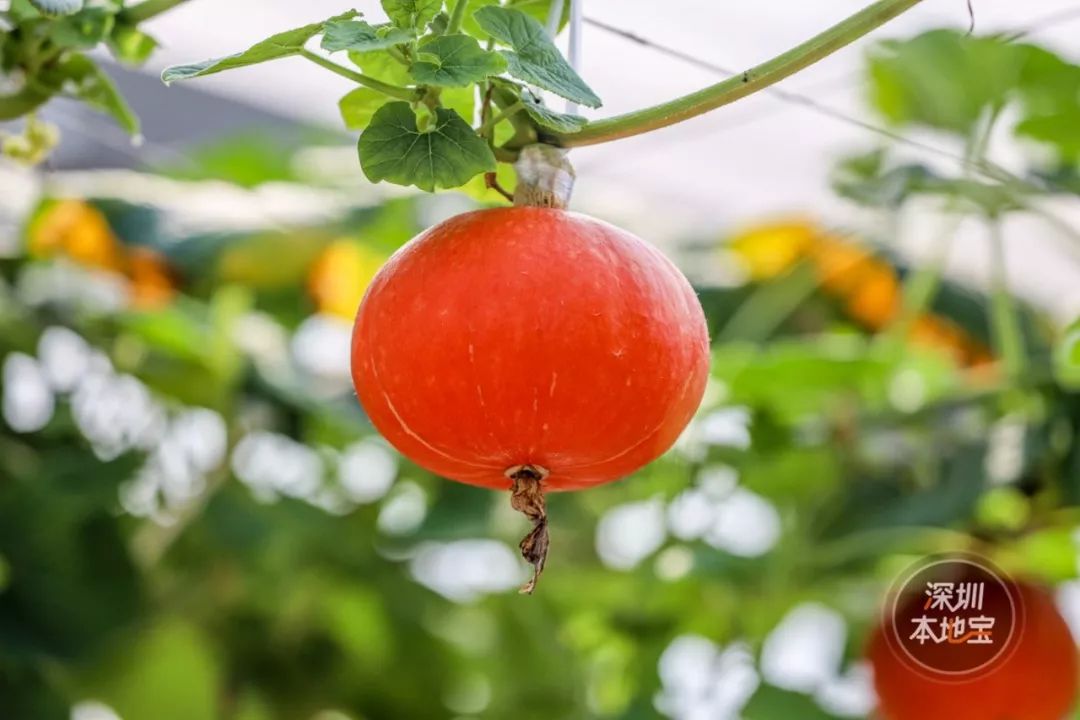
{"type": "Point", "coordinates": [739, 86]}
{"type": "Point", "coordinates": [148, 9]}
{"type": "Point", "coordinates": [494, 120]}
{"type": "Point", "coordinates": [1003, 313]}
{"type": "Point", "coordinates": [922, 285]}
{"type": "Point", "coordinates": [402, 93]}
{"type": "Point", "coordinates": [457, 16]}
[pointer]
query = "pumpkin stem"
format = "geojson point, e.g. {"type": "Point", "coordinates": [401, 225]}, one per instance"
{"type": "Point", "coordinates": [545, 177]}
{"type": "Point", "coordinates": [527, 496]}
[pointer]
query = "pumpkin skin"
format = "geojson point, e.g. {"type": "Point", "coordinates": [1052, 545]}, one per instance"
{"type": "Point", "coordinates": [530, 336]}
{"type": "Point", "coordinates": [1038, 681]}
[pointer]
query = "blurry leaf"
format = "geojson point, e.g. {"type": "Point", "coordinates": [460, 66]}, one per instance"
{"type": "Point", "coordinates": [357, 618]}
{"type": "Point", "coordinates": [1058, 130]}
{"type": "Point", "coordinates": [357, 35]}
{"type": "Point", "coordinates": [83, 30]}
{"type": "Point", "coordinates": [1049, 554]}
{"type": "Point", "coordinates": [455, 61]}
{"type": "Point", "coordinates": [534, 58]}
{"type": "Point", "coordinates": [248, 159]}
{"type": "Point", "coordinates": [130, 45]}
{"type": "Point", "coordinates": [277, 46]}
{"type": "Point", "coordinates": [359, 106]}
{"type": "Point", "coordinates": [457, 511]}
{"type": "Point", "coordinates": [56, 8]}
{"type": "Point", "coordinates": [868, 180]}
{"type": "Point", "coordinates": [414, 14]}
{"type": "Point", "coordinates": [1050, 92]}
{"type": "Point", "coordinates": [793, 476]}
{"type": "Point", "coordinates": [72, 584]}
{"type": "Point", "coordinates": [96, 89]}
{"type": "Point", "coordinates": [1067, 357]}
{"type": "Point", "coordinates": [1003, 509]}
{"type": "Point", "coordinates": [446, 156]}
{"type": "Point", "coordinates": [25, 693]}
{"type": "Point", "coordinates": [166, 672]}
{"type": "Point", "coordinates": [772, 703]}
{"type": "Point", "coordinates": [943, 79]}
{"type": "Point", "coordinates": [877, 502]}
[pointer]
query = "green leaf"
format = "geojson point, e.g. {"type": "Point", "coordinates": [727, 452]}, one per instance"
{"type": "Point", "coordinates": [446, 156]}
{"type": "Point", "coordinates": [455, 61]}
{"type": "Point", "coordinates": [359, 36]}
{"type": "Point", "coordinates": [131, 45]}
{"type": "Point", "coordinates": [277, 46]}
{"type": "Point", "coordinates": [534, 58]}
{"type": "Point", "coordinates": [414, 14]}
{"type": "Point", "coordinates": [359, 106]}
{"type": "Point", "coordinates": [96, 89]}
{"type": "Point", "coordinates": [547, 118]}
{"type": "Point", "coordinates": [943, 79]}
{"type": "Point", "coordinates": [56, 8]}
{"type": "Point", "coordinates": [381, 65]}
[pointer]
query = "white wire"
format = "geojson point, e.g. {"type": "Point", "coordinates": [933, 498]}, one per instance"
{"type": "Point", "coordinates": [553, 18]}
{"type": "Point", "coordinates": [577, 12]}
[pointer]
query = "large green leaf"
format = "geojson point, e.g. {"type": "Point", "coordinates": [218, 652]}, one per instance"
{"type": "Point", "coordinates": [413, 14]}
{"type": "Point", "coordinates": [359, 36]}
{"type": "Point", "coordinates": [455, 61]}
{"type": "Point", "coordinates": [942, 79]}
{"type": "Point", "coordinates": [393, 148]}
{"type": "Point", "coordinates": [277, 46]}
{"type": "Point", "coordinates": [534, 58]}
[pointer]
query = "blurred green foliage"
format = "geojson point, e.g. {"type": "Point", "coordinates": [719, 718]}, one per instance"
{"type": "Point", "coordinates": [217, 560]}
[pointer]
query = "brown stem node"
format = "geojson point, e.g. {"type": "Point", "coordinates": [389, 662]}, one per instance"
{"type": "Point", "coordinates": [527, 497]}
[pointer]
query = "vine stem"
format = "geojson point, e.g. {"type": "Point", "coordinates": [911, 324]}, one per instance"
{"type": "Point", "coordinates": [149, 8]}
{"type": "Point", "coordinates": [457, 15]}
{"type": "Point", "coordinates": [1003, 313]}
{"type": "Point", "coordinates": [739, 86]}
{"type": "Point", "coordinates": [402, 93]}
{"type": "Point", "coordinates": [494, 120]}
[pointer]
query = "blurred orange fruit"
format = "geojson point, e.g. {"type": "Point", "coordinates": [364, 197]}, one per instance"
{"type": "Point", "coordinates": [153, 282]}
{"type": "Point", "coordinates": [1038, 681]}
{"type": "Point", "coordinates": [77, 230]}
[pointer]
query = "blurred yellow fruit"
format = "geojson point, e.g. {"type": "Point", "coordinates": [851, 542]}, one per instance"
{"type": "Point", "coordinates": [770, 250]}
{"type": "Point", "coordinates": [153, 283]}
{"type": "Point", "coordinates": [340, 275]}
{"type": "Point", "coordinates": [77, 230]}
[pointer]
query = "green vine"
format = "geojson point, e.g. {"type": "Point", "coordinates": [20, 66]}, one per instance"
{"type": "Point", "coordinates": [439, 62]}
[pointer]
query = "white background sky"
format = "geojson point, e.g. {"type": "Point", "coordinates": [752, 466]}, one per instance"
{"type": "Point", "coordinates": [757, 158]}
